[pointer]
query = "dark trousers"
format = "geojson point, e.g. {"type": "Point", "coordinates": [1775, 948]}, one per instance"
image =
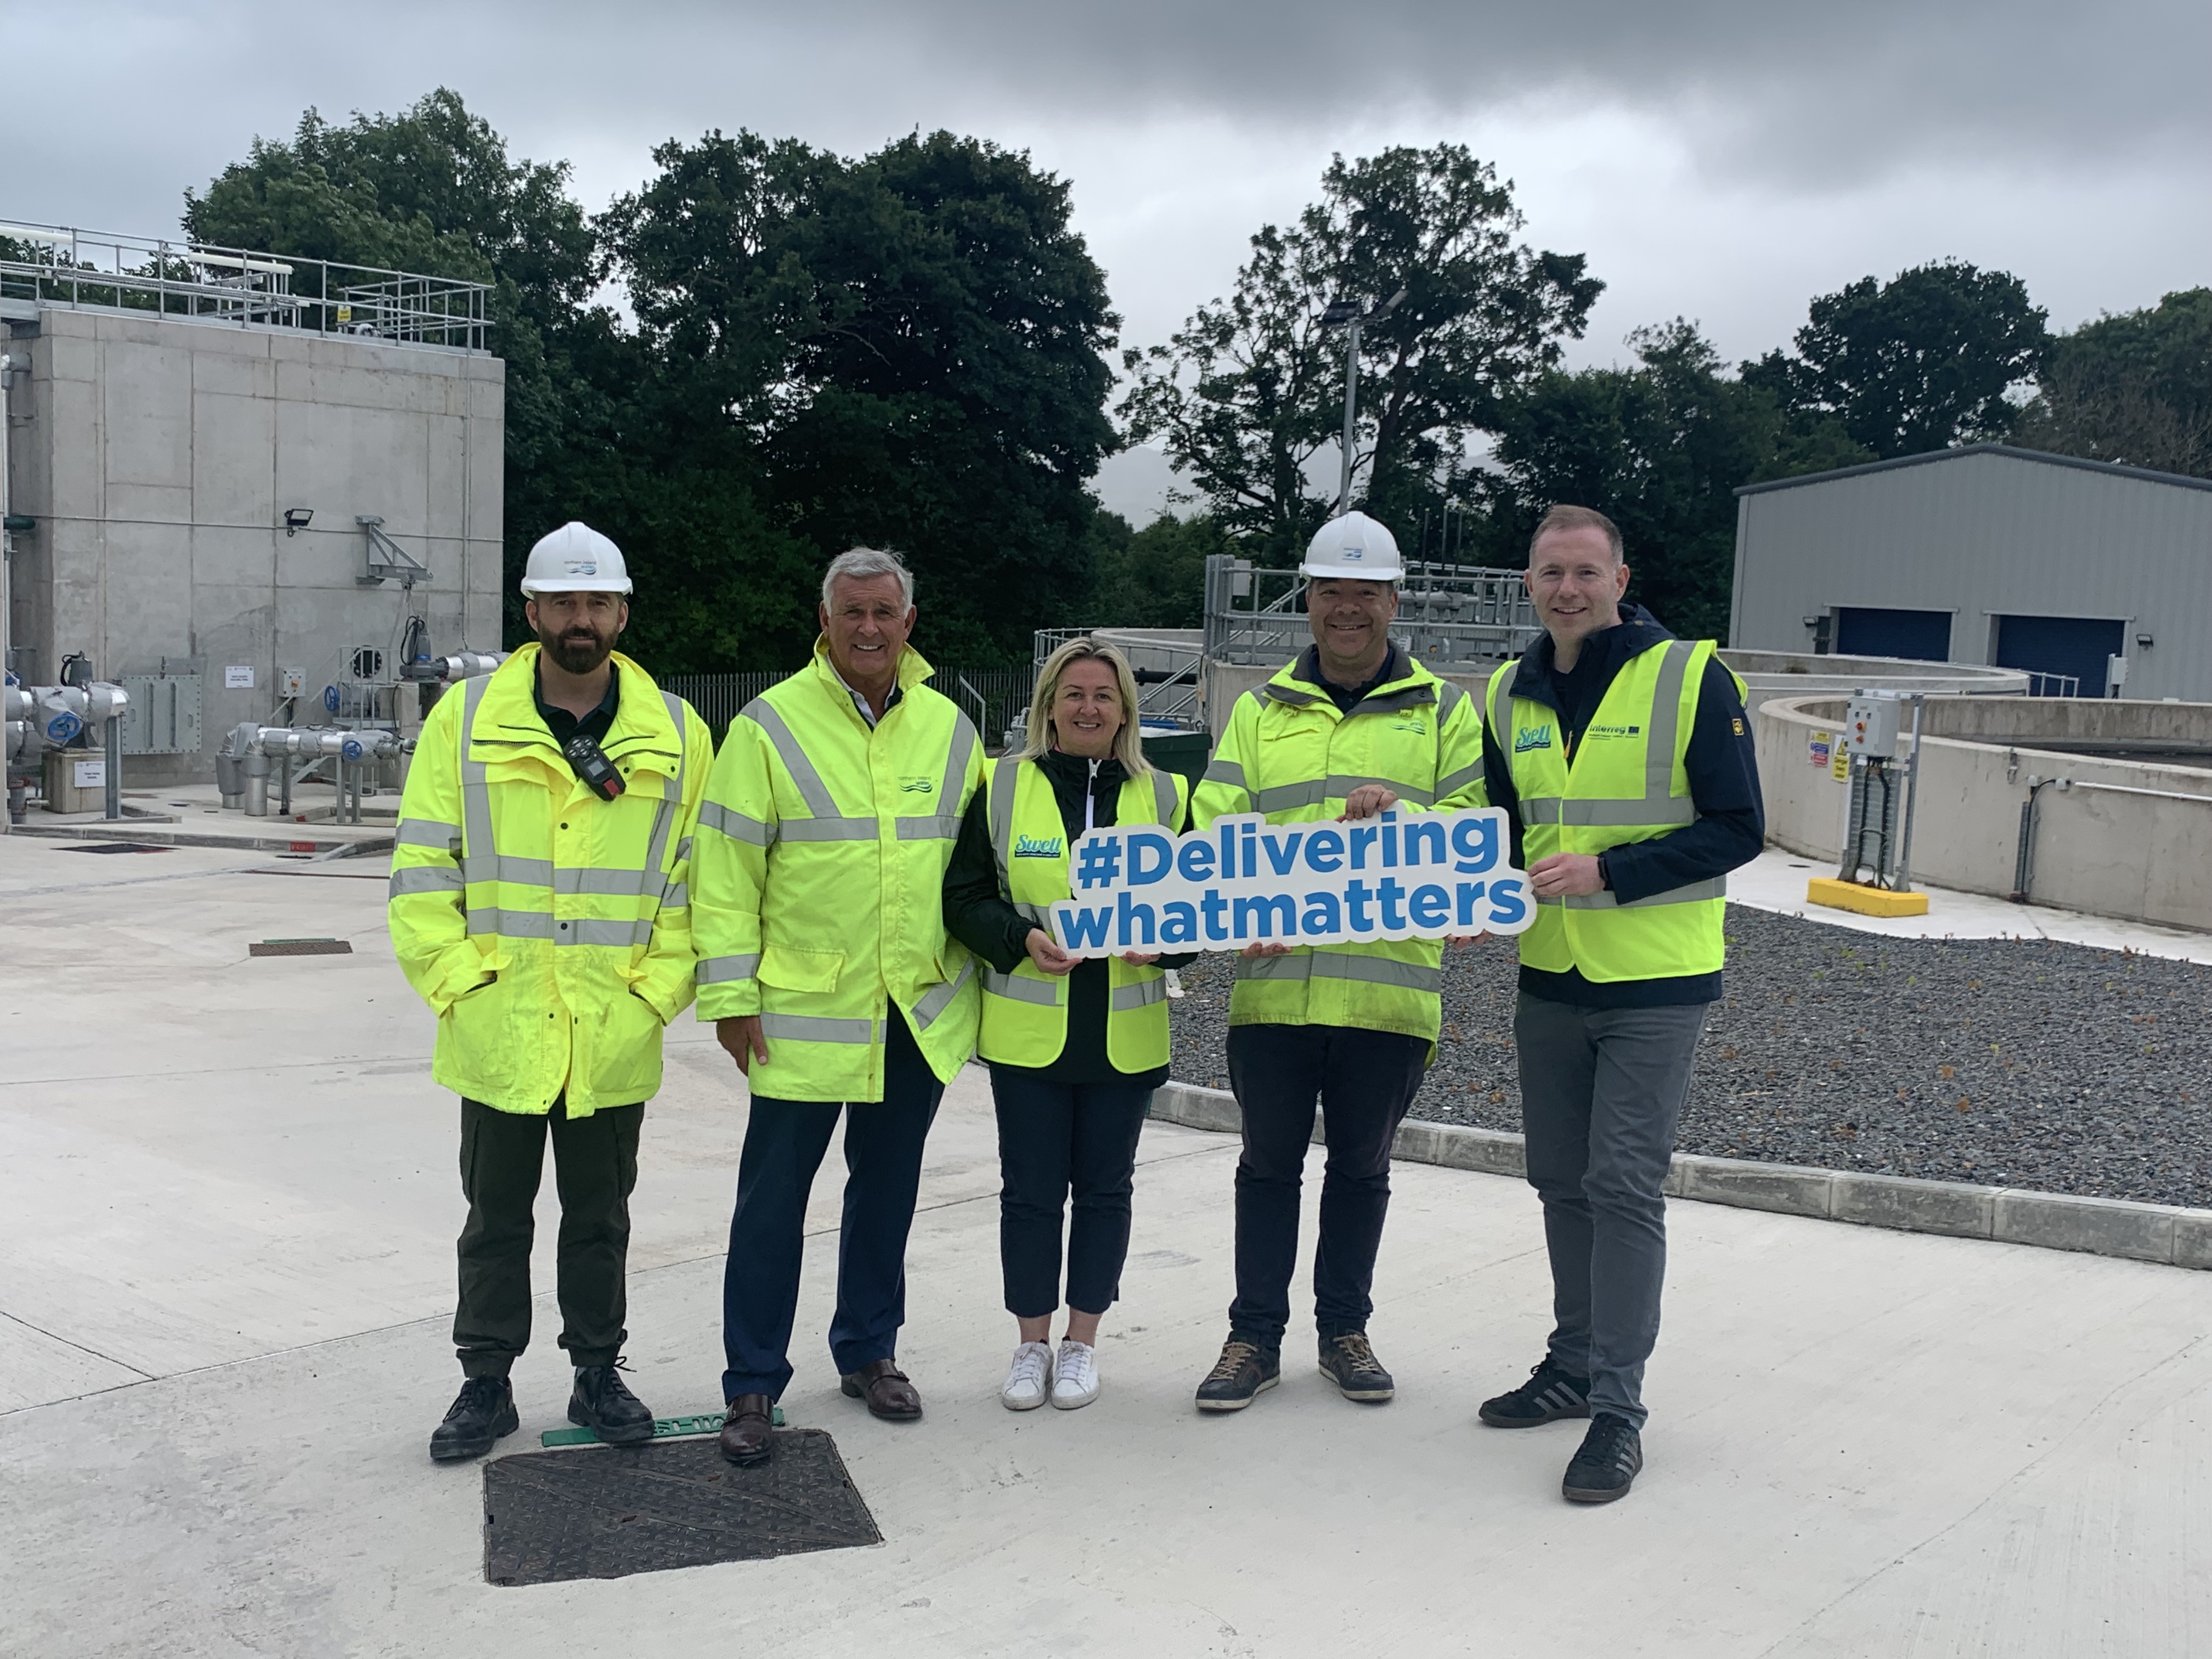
{"type": "Point", "coordinates": [1364, 1081]}
{"type": "Point", "coordinates": [1601, 1091]}
{"type": "Point", "coordinates": [594, 1168]}
{"type": "Point", "coordinates": [785, 1140]}
{"type": "Point", "coordinates": [1055, 1140]}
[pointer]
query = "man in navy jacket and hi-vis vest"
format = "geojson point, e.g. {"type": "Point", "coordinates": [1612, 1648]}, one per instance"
{"type": "Point", "coordinates": [1624, 759]}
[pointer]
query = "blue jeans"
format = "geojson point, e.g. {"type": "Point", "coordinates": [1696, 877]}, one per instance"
{"type": "Point", "coordinates": [1601, 1091]}
{"type": "Point", "coordinates": [785, 1140]}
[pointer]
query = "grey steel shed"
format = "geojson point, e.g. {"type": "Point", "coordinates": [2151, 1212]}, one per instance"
{"type": "Point", "coordinates": [1987, 553]}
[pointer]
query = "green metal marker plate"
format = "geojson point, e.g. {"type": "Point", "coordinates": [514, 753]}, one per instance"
{"type": "Point", "coordinates": [664, 1428]}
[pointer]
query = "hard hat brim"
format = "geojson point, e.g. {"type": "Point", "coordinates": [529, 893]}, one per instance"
{"type": "Point", "coordinates": [555, 584]}
{"type": "Point", "coordinates": [1352, 573]}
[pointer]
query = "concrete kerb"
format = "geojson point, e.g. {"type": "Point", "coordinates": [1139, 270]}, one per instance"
{"type": "Point", "coordinates": [2056, 1221]}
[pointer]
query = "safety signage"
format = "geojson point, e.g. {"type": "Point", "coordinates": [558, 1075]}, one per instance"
{"type": "Point", "coordinates": [1244, 881]}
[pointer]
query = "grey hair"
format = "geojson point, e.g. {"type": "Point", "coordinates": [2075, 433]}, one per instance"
{"type": "Point", "coordinates": [862, 563]}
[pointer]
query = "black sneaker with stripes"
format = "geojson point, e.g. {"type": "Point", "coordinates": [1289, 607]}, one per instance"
{"type": "Point", "coordinates": [1549, 1395]}
{"type": "Point", "coordinates": [1608, 1462]}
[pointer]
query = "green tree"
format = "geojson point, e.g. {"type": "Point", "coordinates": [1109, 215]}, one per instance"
{"type": "Point", "coordinates": [1918, 363]}
{"type": "Point", "coordinates": [1154, 577]}
{"type": "Point", "coordinates": [1248, 392]}
{"type": "Point", "coordinates": [1659, 449]}
{"type": "Point", "coordinates": [2135, 388]}
{"type": "Point", "coordinates": [912, 345]}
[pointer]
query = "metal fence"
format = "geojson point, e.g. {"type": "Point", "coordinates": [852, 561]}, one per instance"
{"type": "Point", "coordinates": [991, 697]}
{"type": "Point", "coordinates": [109, 271]}
{"type": "Point", "coordinates": [1447, 614]}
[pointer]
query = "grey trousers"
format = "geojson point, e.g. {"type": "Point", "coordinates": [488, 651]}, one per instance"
{"type": "Point", "coordinates": [1601, 1091]}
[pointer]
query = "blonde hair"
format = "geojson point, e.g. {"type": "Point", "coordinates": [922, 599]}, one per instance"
{"type": "Point", "coordinates": [1128, 742]}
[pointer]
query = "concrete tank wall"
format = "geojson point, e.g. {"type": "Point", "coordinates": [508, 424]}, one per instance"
{"type": "Point", "coordinates": [159, 455]}
{"type": "Point", "coordinates": [2136, 856]}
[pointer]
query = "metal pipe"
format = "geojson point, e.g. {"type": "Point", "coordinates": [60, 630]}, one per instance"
{"type": "Point", "coordinates": [256, 784]}
{"type": "Point", "coordinates": [1904, 883]}
{"type": "Point", "coordinates": [2130, 789]}
{"type": "Point", "coordinates": [6, 567]}
{"type": "Point", "coordinates": [2023, 869]}
{"type": "Point", "coordinates": [113, 770]}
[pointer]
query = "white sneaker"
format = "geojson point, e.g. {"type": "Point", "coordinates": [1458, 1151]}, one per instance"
{"type": "Point", "coordinates": [1029, 1379]}
{"type": "Point", "coordinates": [1076, 1382]}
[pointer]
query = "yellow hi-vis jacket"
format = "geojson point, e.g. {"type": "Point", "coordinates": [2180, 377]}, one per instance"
{"type": "Point", "coordinates": [1289, 755]}
{"type": "Point", "coordinates": [1626, 782]}
{"type": "Point", "coordinates": [1025, 1012]}
{"type": "Point", "coordinates": [549, 930]}
{"type": "Point", "coordinates": [818, 895]}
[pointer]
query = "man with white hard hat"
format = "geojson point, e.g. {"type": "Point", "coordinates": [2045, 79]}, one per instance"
{"type": "Point", "coordinates": [539, 904]}
{"type": "Point", "coordinates": [1352, 728]}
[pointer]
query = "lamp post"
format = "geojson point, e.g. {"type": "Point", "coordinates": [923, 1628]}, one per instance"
{"type": "Point", "coordinates": [1347, 315]}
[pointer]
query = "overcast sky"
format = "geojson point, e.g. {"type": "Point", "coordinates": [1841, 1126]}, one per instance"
{"type": "Point", "coordinates": [1716, 158]}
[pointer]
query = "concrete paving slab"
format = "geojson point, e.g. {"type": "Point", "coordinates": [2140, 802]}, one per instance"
{"type": "Point", "coordinates": [1862, 1442]}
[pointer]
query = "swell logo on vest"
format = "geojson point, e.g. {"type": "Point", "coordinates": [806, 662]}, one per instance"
{"type": "Point", "coordinates": [917, 785]}
{"type": "Point", "coordinates": [1414, 723]}
{"type": "Point", "coordinates": [1525, 738]}
{"type": "Point", "coordinates": [1036, 847]}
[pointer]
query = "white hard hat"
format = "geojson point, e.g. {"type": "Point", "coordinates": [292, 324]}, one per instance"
{"type": "Point", "coordinates": [575, 559]}
{"type": "Point", "coordinates": [1353, 546]}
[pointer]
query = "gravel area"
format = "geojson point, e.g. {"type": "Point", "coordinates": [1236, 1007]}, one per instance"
{"type": "Point", "coordinates": [2013, 1062]}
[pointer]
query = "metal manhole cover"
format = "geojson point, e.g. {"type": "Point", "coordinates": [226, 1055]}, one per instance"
{"type": "Point", "coordinates": [300, 947]}
{"type": "Point", "coordinates": [607, 1512]}
{"type": "Point", "coordinates": [117, 847]}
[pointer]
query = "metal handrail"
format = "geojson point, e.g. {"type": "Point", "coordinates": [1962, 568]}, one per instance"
{"type": "Point", "coordinates": [1447, 614]}
{"type": "Point", "coordinates": [112, 270]}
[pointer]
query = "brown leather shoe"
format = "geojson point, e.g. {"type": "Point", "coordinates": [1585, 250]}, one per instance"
{"type": "Point", "coordinates": [745, 1431]}
{"type": "Point", "coordinates": [885, 1388]}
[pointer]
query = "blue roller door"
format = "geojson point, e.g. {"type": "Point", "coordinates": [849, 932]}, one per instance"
{"type": "Point", "coordinates": [1865, 631]}
{"type": "Point", "coordinates": [2075, 646]}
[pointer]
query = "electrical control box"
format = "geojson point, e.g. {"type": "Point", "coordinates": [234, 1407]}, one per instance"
{"type": "Point", "coordinates": [1870, 726]}
{"type": "Point", "coordinates": [291, 683]}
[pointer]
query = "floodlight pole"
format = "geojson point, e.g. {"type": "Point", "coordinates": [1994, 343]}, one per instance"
{"type": "Point", "coordinates": [1351, 414]}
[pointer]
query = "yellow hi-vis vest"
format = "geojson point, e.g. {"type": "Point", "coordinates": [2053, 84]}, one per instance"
{"type": "Point", "coordinates": [1626, 782]}
{"type": "Point", "coordinates": [1289, 755]}
{"type": "Point", "coordinates": [549, 930]}
{"type": "Point", "coordinates": [1025, 1012]}
{"type": "Point", "coordinates": [818, 894]}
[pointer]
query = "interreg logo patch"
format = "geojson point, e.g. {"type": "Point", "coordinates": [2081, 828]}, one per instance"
{"type": "Point", "coordinates": [1614, 730]}
{"type": "Point", "coordinates": [1036, 847]}
{"type": "Point", "coordinates": [1525, 738]}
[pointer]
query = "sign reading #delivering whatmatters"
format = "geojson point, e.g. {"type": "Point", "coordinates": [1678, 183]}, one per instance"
{"type": "Point", "coordinates": [1244, 881]}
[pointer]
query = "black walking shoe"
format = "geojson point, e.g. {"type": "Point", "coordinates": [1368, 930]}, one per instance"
{"type": "Point", "coordinates": [1349, 1363]}
{"type": "Point", "coordinates": [1605, 1467]}
{"type": "Point", "coordinates": [604, 1404]}
{"type": "Point", "coordinates": [1244, 1369]}
{"type": "Point", "coordinates": [1549, 1395]}
{"type": "Point", "coordinates": [481, 1412]}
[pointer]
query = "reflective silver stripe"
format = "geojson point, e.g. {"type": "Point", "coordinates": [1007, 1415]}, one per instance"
{"type": "Point", "coordinates": [1619, 814]}
{"type": "Point", "coordinates": [1447, 697]}
{"type": "Point", "coordinates": [683, 848]}
{"type": "Point", "coordinates": [826, 830]}
{"type": "Point", "coordinates": [813, 1028]}
{"type": "Point", "coordinates": [941, 828]}
{"type": "Point", "coordinates": [935, 1001]}
{"type": "Point", "coordinates": [1285, 797]}
{"type": "Point", "coordinates": [491, 866]}
{"type": "Point", "coordinates": [1003, 778]}
{"type": "Point", "coordinates": [671, 797]}
{"type": "Point", "coordinates": [1341, 783]}
{"type": "Point", "coordinates": [956, 767]}
{"type": "Point", "coordinates": [1142, 994]}
{"type": "Point", "coordinates": [721, 970]}
{"type": "Point", "coordinates": [1452, 783]}
{"type": "Point", "coordinates": [676, 896]}
{"type": "Point", "coordinates": [1044, 993]}
{"type": "Point", "coordinates": [1325, 963]}
{"type": "Point", "coordinates": [736, 825]}
{"type": "Point", "coordinates": [1698, 892]}
{"type": "Point", "coordinates": [611, 884]}
{"type": "Point", "coordinates": [1225, 771]}
{"type": "Point", "coordinates": [1163, 797]}
{"type": "Point", "coordinates": [511, 924]}
{"type": "Point", "coordinates": [475, 783]}
{"type": "Point", "coordinates": [1501, 705]}
{"type": "Point", "coordinates": [1666, 720]}
{"type": "Point", "coordinates": [429, 832]}
{"type": "Point", "coordinates": [808, 781]}
{"type": "Point", "coordinates": [424, 878]}
{"type": "Point", "coordinates": [584, 930]}
{"type": "Point", "coordinates": [1036, 915]}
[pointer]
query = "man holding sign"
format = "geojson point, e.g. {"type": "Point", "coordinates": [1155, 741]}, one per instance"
{"type": "Point", "coordinates": [1625, 758]}
{"type": "Point", "coordinates": [1352, 730]}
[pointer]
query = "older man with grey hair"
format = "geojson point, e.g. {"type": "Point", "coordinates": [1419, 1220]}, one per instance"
{"type": "Point", "coordinates": [829, 818]}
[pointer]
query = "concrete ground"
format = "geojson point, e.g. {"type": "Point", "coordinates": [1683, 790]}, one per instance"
{"type": "Point", "coordinates": [227, 1212]}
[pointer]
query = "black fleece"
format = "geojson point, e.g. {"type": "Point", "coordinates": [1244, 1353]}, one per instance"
{"type": "Point", "coordinates": [984, 922]}
{"type": "Point", "coordinates": [1723, 774]}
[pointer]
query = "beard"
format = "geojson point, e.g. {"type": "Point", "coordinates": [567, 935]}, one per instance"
{"type": "Point", "coordinates": [576, 651]}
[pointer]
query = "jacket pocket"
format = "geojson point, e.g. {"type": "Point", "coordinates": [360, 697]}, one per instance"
{"type": "Point", "coordinates": [788, 968]}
